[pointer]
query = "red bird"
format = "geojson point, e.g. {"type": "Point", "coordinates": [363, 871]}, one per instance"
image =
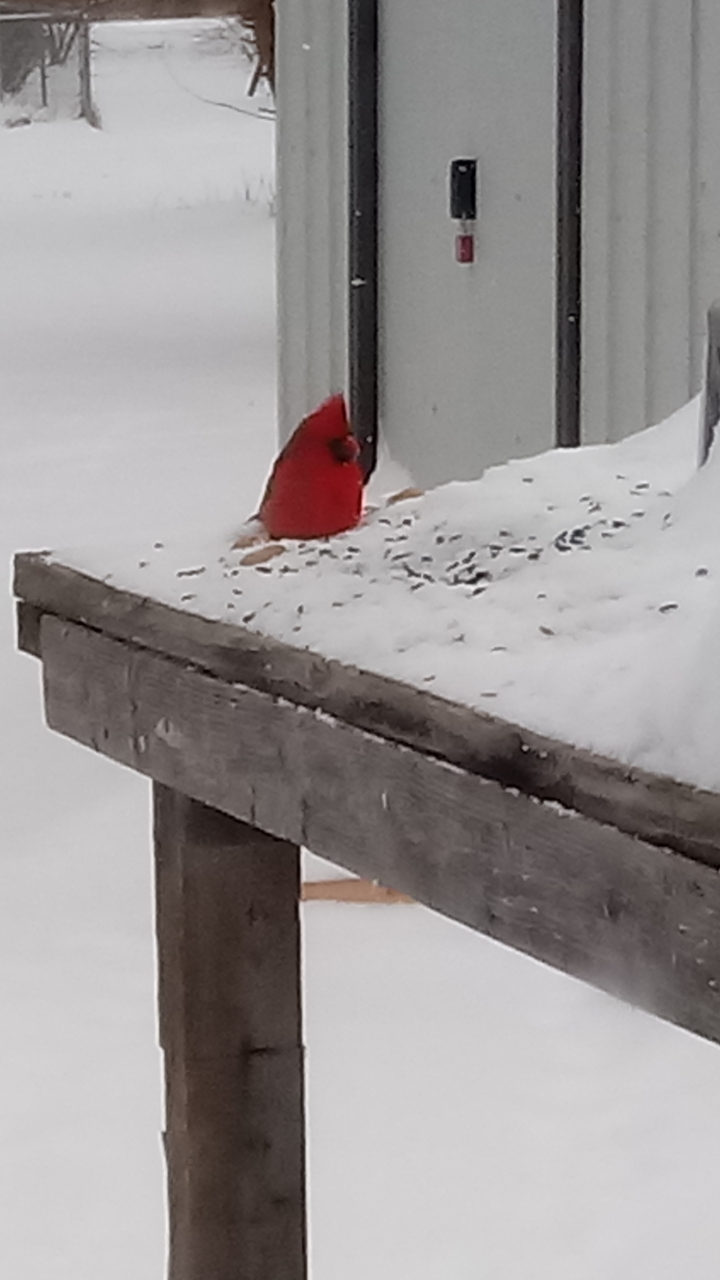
{"type": "Point", "coordinates": [315, 487]}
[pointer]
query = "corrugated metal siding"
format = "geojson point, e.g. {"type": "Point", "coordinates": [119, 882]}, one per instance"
{"type": "Point", "coordinates": [652, 182]}
{"type": "Point", "coordinates": [312, 204]}
{"type": "Point", "coordinates": [705, 266]}
{"type": "Point", "coordinates": [652, 216]}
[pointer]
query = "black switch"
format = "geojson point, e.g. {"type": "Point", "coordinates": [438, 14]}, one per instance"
{"type": "Point", "coordinates": [463, 190]}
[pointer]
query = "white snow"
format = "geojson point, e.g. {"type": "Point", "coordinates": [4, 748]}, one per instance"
{"type": "Point", "coordinates": [575, 593]}
{"type": "Point", "coordinates": [471, 1113]}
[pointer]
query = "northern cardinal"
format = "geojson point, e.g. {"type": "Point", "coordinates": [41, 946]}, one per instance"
{"type": "Point", "coordinates": [315, 487]}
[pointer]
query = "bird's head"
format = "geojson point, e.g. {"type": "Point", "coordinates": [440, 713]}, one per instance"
{"type": "Point", "coordinates": [344, 448]}
{"type": "Point", "coordinates": [329, 426]}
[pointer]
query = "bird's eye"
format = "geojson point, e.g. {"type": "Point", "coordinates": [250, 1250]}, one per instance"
{"type": "Point", "coordinates": [344, 449]}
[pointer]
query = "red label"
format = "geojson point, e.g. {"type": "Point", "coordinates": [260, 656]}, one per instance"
{"type": "Point", "coordinates": [465, 247]}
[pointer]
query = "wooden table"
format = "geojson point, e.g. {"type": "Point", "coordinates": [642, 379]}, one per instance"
{"type": "Point", "coordinates": [255, 749]}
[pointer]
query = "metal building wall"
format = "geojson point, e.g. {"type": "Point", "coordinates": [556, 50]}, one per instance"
{"type": "Point", "coordinates": [467, 351]}
{"type": "Point", "coordinates": [706, 151]}
{"type": "Point", "coordinates": [312, 204]}
{"type": "Point", "coordinates": [652, 207]}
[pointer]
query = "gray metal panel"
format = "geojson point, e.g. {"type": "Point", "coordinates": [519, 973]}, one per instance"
{"type": "Point", "coordinates": [652, 195]}
{"type": "Point", "coordinates": [467, 351]}
{"type": "Point", "coordinates": [638, 111]}
{"type": "Point", "coordinates": [312, 204]}
{"type": "Point", "coordinates": [705, 272]}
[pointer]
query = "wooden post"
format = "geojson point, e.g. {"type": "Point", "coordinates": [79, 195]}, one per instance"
{"type": "Point", "coordinates": [230, 1029]}
{"type": "Point", "coordinates": [87, 106]}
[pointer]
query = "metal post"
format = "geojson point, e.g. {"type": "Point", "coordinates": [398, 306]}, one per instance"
{"type": "Point", "coordinates": [43, 65]}
{"type": "Point", "coordinates": [363, 224]}
{"type": "Point", "coordinates": [711, 397]}
{"type": "Point", "coordinates": [570, 15]}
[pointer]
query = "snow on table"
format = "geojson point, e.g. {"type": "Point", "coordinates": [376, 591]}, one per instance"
{"type": "Point", "coordinates": [574, 593]}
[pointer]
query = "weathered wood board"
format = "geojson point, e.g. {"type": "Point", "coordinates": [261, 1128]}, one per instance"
{"type": "Point", "coordinates": [637, 920]}
{"type": "Point", "coordinates": [231, 1032]}
{"type": "Point", "coordinates": [656, 808]}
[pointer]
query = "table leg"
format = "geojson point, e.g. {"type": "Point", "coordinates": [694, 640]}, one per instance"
{"type": "Point", "coordinates": [231, 1033]}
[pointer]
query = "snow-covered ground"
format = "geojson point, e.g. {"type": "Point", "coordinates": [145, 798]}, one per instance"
{"type": "Point", "coordinates": [472, 1114]}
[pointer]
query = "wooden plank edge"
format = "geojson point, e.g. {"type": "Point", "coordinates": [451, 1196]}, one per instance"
{"type": "Point", "coordinates": [654, 807]}
{"type": "Point", "coordinates": [27, 633]}
{"type": "Point", "coordinates": [638, 921]}
{"type": "Point", "coordinates": [362, 891]}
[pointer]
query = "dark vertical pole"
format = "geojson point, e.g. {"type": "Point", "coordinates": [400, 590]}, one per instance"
{"type": "Point", "coordinates": [230, 1030]}
{"type": "Point", "coordinates": [87, 108]}
{"type": "Point", "coordinates": [43, 65]}
{"type": "Point", "coordinates": [711, 402]}
{"type": "Point", "coordinates": [363, 224]}
{"type": "Point", "coordinates": [569, 153]}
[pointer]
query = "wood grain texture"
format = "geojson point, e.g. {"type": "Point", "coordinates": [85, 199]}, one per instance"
{"type": "Point", "coordinates": [357, 891]}
{"type": "Point", "coordinates": [656, 808]}
{"type": "Point", "coordinates": [230, 1029]}
{"type": "Point", "coordinates": [28, 628]}
{"type": "Point", "coordinates": [634, 919]}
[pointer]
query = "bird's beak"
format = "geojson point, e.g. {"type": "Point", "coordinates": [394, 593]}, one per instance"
{"type": "Point", "coordinates": [344, 449]}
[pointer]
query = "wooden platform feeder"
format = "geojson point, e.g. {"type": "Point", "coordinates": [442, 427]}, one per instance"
{"type": "Point", "coordinates": [604, 872]}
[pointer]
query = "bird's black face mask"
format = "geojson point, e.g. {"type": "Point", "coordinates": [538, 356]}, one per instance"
{"type": "Point", "coordinates": [343, 449]}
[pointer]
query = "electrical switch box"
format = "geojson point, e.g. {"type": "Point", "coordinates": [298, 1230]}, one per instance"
{"type": "Point", "coordinates": [463, 190]}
